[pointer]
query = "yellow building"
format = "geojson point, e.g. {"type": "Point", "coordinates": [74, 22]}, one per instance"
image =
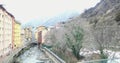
{"type": "Point", "coordinates": [44, 30]}
{"type": "Point", "coordinates": [17, 35]}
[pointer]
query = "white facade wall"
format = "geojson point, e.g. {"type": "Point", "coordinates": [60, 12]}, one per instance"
{"type": "Point", "coordinates": [1, 32]}
{"type": "Point", "coordinates": [5, 33]}
{"type": "Point", "coordinates": [8, 33]}
{"type": "Point", "coordinates": [44, 32]}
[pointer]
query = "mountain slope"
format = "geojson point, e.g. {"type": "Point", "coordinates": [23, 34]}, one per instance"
{"type": "Point", "coordinates": [101, 31]}
{"type": "Point", "coordinates": [60, 18]}
{"type": "Point", "coordinates": [101, 8]}
{"type": "Point", "coordinates": [100, 25]}
{"type": "Point", "coordinates": [52, 21]}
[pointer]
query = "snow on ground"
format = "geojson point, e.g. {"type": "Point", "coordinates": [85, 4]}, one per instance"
{"type": "Point", "coordinates": [113, 56]}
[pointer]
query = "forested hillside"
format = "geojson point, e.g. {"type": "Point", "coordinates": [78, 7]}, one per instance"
{"type": "Point", "coordinates": [98, 28]}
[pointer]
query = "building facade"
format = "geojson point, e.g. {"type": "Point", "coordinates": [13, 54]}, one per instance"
{"type": "Point", "coordinates": [6, 20]}
{"type": "Point", "coordinates": [23, 37]}
{"type": "Point", "coordinates": [40, 33]}
{"type": "Point", "coordinates": [28, 33]}
{"type": "Point", "coordinates": [17, 35]}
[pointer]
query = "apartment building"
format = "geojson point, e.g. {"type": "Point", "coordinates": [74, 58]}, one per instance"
{"type": "Point", "coordinates": [6, 20]}
{"type": "Point", "coordinates": [23, 37]}
{"type": "Point", "coordinates": [17, 35]}
{"type": "Point", "coordinates": [40, 33]}
{"type": "Point", "coordinates": [28, 33]}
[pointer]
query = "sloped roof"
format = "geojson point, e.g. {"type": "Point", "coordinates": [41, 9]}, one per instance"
{"type": "Point", "coordinates": [1, 7]}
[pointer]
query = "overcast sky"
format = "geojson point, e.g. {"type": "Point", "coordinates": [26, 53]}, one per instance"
{"type": "Point", "coordinates": [26, 10]}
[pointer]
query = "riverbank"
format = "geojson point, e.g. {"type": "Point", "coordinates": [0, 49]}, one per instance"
{"type": "Point", "coordinates": [7, 59]}
{"type": "Point", "coordinates": [22, 51]}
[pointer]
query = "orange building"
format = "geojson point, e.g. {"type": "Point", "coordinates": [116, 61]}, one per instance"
{"type": "Point", "coordinates": [13, 27]}
{"type": "Point", "coordinates": [40, 33]}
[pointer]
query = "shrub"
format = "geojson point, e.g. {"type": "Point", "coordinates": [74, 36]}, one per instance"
{"type": "Point", "coordinates": [117, 18]}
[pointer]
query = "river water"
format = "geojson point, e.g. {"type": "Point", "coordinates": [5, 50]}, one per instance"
{"type": "Point", "coordinates": [33, 55]}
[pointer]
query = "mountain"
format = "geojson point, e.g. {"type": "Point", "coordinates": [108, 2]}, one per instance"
{"type": "Point", "coordinates": [51, 21]}
{"type": "Point", "coordinates": [61, 18]}
{"type": "Point", "coordinates": [102, 7]}
{"type": "Point", "coordinates": [100, 27]}
{"type": "Point", "coordinates": [101, 24]}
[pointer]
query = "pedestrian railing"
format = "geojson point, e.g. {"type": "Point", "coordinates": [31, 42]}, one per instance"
{"type": "Point", "coordinates": [115, 60]}
{"type": "Point", "coordinates": [56, 58]}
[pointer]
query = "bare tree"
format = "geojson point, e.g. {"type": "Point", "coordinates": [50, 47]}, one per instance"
{"type": "Point", "coordinates": [105, 37]}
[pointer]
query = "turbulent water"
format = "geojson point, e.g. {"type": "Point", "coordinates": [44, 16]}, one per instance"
{"type": "Point", "coordinates": [33, 55]}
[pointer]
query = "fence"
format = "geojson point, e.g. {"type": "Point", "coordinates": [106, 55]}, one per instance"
{"type": "Point", "coordinates": [53, 56]}
{"type": "Point", "coordinates": [102, 61]}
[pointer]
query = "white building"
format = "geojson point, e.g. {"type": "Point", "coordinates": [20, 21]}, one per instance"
{"type": "Point", "coordinates": [5, 31]}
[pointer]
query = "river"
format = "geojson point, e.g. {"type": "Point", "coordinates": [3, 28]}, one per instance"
{"type": "Point", "coordinates": [34, 55]}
